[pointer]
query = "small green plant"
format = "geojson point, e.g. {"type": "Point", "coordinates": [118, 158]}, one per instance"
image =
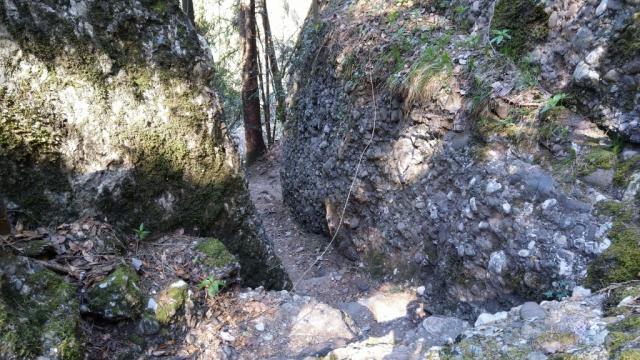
{"type": "Point", "coordinates": [141, 233]}
{"type": "Point", "coordinates": [393, 16]}
{"type": "Point", "coordinates": [499, 36]}
{"type": "Point", "coordinates": [460, 9]}
{"type": "Point", "coordinates": [554, 102]}
{"type": "Point", "coordinates": [560, 290]}
{"type": "Point", "coordinates": [212, 286]}
{"type": "Point", "coordinates": [617, 144]}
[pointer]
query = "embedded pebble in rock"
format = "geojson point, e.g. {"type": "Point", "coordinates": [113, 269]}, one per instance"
{"type": "Point", "coordinates": [580, 292]}
{"type": "Point", "coordinates": [486, 318]}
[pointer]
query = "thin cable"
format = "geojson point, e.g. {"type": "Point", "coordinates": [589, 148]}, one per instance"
{"type": "Point", "coordinates": [353, 182]}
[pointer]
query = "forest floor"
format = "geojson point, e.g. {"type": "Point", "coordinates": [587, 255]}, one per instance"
{"type": "Point", "coordinates": [331, 279]}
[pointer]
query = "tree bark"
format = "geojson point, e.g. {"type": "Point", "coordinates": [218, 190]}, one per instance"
{"type": "Point", "coordinates": [5, 227]}
{"type": "Point", "coordinates": [315, 10]}
{"type": "Point", "coordinates": [273, 64]}
{"type": "Point", "coordinates": [187, 8]}
{"type": "Point", "coordinates": [254, 141]}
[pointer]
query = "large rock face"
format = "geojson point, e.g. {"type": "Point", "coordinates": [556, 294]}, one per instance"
{"type": "Point", "coordinates": [477, 181]}
{"type": "Point", "coordinates": [106, 108]}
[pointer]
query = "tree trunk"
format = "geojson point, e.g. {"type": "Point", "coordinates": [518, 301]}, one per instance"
{"type": "Point", "coordinates": [254, 142]}
{"type": "Point", "coordinates": [5, 227]}
{"type": "Point", "coordinates": [187, 8]}
{"type": "Point", "coordinates": [266, 103]}
{"type": "Point", "coordinates": [273, 64]}
{"type": "Point", "coordinates": [315, 10]}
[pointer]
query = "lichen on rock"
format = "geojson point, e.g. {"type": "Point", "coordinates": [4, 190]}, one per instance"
{"type": "Point", "coordinates": [170, 300]}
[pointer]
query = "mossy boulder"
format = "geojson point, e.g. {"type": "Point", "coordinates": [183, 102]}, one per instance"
{"type": "Point", "coordinates": [38, 312]}
{"type": "Point", "coordinates": [214, 253]}
{"type": "Point", "coordinates": [108, 108]}
{"type": "Point", "coordinates": [117, 297]}
{"type": "Point", "coordinates": [170, 300]}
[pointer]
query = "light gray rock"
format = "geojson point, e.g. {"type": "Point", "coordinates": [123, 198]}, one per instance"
{"type": "Point", "coordinates": [531, 311]}
{"type": "Point", "coordinates": [443, 330]}
{"type": "Point", "coordinates": [600, 177]}
{"type": "Point", "coordinates": [487, 319]}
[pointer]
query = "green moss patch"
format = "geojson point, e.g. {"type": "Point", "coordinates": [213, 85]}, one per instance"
{"type": "Point", "coordinates": [117, 297]}
{"type": "Point", "coordinates": [40, 320]}
{"type": "Point", "coordinates": [597, 158]}
{"type": "Point", "coordinates": [625, 169]}
{"type": "Point", "coordinates": [526, 23]}
{"type": "Point", "coordinates": [621, 261]}
{"type": "Point", "coordinates": [215, 253]}
{"type": "Point", "coordinates": [630, 354]}
{"type": "Point", "coordinates": [622, 335]}
{"type": "Point", "coordinates": [553, 342]}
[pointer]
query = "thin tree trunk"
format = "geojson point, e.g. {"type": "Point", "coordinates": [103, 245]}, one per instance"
{"type": "Point", "coordinates": [273, 64]}
{"type": "Point", "coordinates": [254, 142]}
{"type": "Point", "coordinates": [266, 102]}
{"type": "Point", "coordinates": [187, 8]}
{"type": "Point", "coordinates": [5, 227]}
{"type": "Point", "coordinates": [264, 84]}
{"type": "Point", "coordinates": [315, 10]}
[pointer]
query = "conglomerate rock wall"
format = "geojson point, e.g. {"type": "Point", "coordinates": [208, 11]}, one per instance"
{"type": "Point", "coordinates": [504, 157]}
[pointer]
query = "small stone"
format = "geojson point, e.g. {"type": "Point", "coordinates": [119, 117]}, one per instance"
{"type": "Point", "coordinates": [137, 264]}
{"type": "Point", "coordinates": [502, 109]}
{"type": "Point", "coordinates": [472, 205]}
{"type": "Point", "coordinates": [600, 177]}
{"type": "Point", "coordinates": [553, 19]}
{"type": "Point", "coordinates": [579, 292]}
{"type": "Point", "coordinates": [506, 208]}
{"type": "Point", "coordinates": [444, 330]}
{"type": "Point", "coordinates": [152, 304]}
{"type": "Point", "coordinates": [537, 355]}
{"type": "Point", "coordinates": [523, 253]}
{"type": "Point", "coordinates": [362, 285]}
{"type": "Point", "coordinates": [585, 75]}
{"type": "Point", "coordinates": [548, 204]}
{"type": "Point", "coordinates": [493, 186]}
{"type": "Point", "coordinates": [531, 310]}
{"type": "Point", "coordinates": [259, 326]}
{"type": "Point", "coordinates": [497, 262]}
{"type": "Point", "coordinates": [612, 75]}
{"type": "Point", "coordinates": [602, 7]}
{"type": "Point", "coordinates": [227, 336]}
{"type": "Point", "coordinates": [420, 290]}
{"type": "Point", "coordinates": [486, 318]}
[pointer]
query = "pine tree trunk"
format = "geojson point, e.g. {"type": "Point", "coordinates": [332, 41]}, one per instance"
{"type": "Point", "coordinates": [273, 64]}
{"type": "Point", "coordinates": [5, 227]}
{"type": "Point", "coordinates": [254, 142]}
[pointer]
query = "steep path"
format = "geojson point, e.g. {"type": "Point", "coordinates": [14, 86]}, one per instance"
{"type": "Point", "coordinates": [332, 279]}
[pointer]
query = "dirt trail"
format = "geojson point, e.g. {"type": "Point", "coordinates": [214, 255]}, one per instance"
{"type": "Point", "coordinates": [333, 279]}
